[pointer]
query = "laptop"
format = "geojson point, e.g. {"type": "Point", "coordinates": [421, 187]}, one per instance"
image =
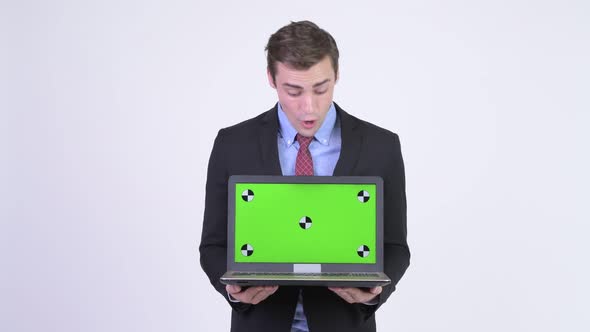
{"type": "Point", "coordinates": [305, 231]}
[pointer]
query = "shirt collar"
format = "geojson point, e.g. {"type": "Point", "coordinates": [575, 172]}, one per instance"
{"type": "Point", "coordinates": [323, 135]}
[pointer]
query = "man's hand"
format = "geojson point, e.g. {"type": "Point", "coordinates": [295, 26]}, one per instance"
{"type": "Point", "coordinates": [357, 295]}
{"type": "Point", "coordinates": [252, 295]}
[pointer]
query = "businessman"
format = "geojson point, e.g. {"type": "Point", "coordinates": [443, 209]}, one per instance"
{"type": "Point", "coordinates": [305, 133]}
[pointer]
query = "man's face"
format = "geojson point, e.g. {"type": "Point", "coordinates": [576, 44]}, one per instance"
{"type": "Point", "coordinates": [305, 95]}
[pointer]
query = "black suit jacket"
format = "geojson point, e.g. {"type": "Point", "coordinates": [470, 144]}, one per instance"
{"type": "Point", "coordinates": [250, 148]}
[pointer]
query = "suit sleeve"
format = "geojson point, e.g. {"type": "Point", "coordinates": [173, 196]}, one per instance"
{"type": "Point", "coordinates": [395, 247]}
{"type": "Point", "coordinates": [213, 247]}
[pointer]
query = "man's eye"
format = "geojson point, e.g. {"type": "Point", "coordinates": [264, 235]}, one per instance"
{"type": "Point", "coordinates": [321, 92]}
{"type": "Point", "coordinates": [293, 94]}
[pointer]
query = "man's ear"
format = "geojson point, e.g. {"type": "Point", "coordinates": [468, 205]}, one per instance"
{"type": "Point", "coordinates": [337, 77]}
{"type": "Point", "coordinates": [271, 80]}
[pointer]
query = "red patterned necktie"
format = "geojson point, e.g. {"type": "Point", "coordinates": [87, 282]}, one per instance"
{"type": "Point", "coordinates": [304, 164]}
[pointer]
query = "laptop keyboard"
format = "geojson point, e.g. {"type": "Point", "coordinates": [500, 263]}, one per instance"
{"type": "Point", "coordinates": [324, 274]}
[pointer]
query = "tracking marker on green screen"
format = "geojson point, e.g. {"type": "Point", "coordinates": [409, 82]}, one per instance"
{"type": "Point", "coordinates": [248, 195]}
{"type": "Point", "coordinates": [247, 250]}
{"type": "Point", "coordinates": [305, 222]}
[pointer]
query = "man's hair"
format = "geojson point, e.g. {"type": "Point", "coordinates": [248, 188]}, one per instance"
{"type": "Point", "coordinates": [300, 45]}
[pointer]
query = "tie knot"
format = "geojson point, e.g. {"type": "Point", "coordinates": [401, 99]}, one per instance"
{"type": "Point", "coordinates": [304, 141]}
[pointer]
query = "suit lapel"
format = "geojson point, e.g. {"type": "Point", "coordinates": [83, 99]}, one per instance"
{"type": "Point", "coordinates": [349, 153]}
{"type": "Point", "coordinates": [351, 143]}
{"type": "Point", "coordinates": [268, 143]}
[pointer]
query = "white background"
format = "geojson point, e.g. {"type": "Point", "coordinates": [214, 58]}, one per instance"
{"type": "Point", "coordinates": [108, 112]}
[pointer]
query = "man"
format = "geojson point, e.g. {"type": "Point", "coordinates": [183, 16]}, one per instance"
{"type": "Point", "coordinates": [305, 126]}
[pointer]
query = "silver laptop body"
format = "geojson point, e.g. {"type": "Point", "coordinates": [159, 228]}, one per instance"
{"type": "Point", "coordinates": [305, 231]}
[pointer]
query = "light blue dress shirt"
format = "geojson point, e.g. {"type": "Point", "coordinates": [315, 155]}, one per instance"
{"type": "Point", "coordinates": [325, 151]}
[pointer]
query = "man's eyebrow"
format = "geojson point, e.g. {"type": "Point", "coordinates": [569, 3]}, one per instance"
{"type": "Point", "coordinates": [294, 86]}
{"type": "Point", "coordinates": [321, 83]}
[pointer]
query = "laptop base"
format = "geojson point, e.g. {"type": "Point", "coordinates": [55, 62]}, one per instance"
{"type": "Point", "coordinates": [367, 280]}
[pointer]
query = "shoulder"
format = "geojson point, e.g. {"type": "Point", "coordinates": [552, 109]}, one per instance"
{"type": "Point", "coordinates": [378, 132]}
{"type": "Point", "coordinates": [367, 129]}
{"type": "Point", "coordinates": [250, 127]}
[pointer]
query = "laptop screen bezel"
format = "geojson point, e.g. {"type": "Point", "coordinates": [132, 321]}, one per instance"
{"type": "Point", "coordinates": [290, 267]}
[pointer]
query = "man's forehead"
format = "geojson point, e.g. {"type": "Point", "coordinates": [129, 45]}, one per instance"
{"type": "Point", "coordinates": [314, 76]}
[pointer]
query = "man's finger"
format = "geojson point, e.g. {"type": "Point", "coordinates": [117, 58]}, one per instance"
{"type": "Point", "coordinates": [355, 294]}
{"type": "Point", "coordinates": [245, 295]}
{"type": "Point", "coordinates": [272, 289]}
{"type": "Point", "coordinates": [376, 290]}
{"type": "Point", "coordinates": [362, 296]}
{"type": "Point", "coordinates": [259, 297]}
{"type": "Point", "coordinates": [232, 289]}
{"type": "Point", "coordinates": [263, 294]}
{"type": "Point", "coordinates": [254, 293]}
{"type": "Point", "coordinates": [343, 294]}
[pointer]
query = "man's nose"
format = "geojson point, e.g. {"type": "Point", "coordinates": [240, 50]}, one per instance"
{"type": "Point", "coordinates": [307, 104]}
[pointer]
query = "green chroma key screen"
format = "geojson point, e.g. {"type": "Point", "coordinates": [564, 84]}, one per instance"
{"type": "Point", "coordinates": [305, 223]}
